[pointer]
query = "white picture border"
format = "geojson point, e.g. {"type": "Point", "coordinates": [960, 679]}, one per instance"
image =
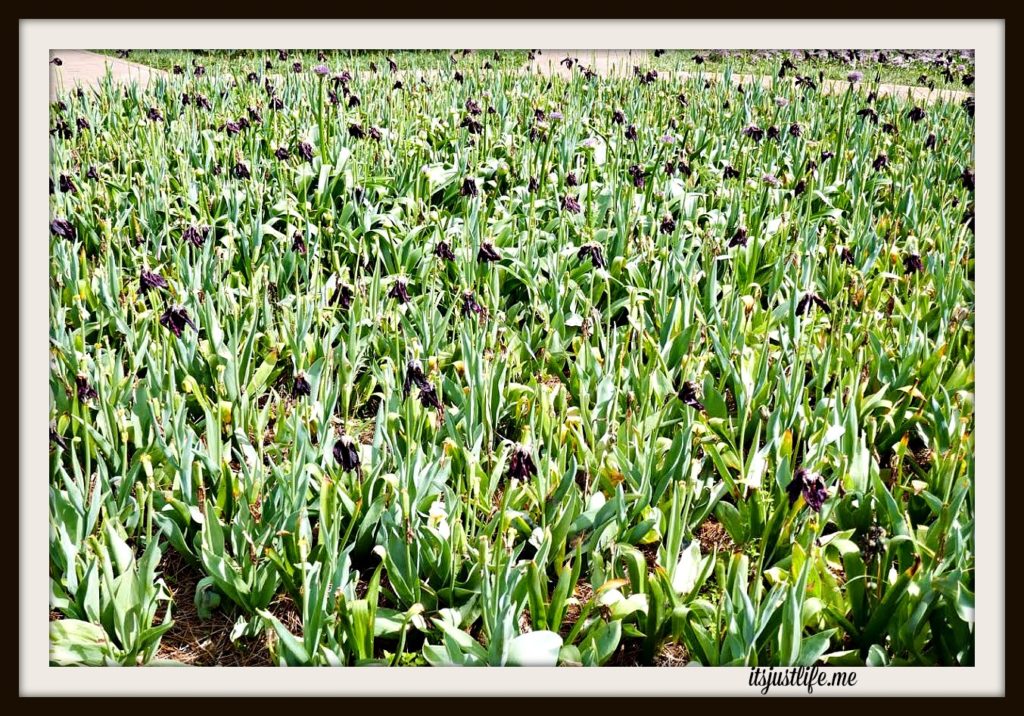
{"type": "Point", "coordinates": [38, 37]}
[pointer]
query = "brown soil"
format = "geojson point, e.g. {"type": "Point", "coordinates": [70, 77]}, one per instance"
{"type": "Point", "coordinates": [672, 654]}
{"type": "Point", "coordinates": [712, 535]}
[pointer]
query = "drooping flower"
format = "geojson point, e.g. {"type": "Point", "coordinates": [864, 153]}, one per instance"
{"type": "Point", "coordinates": [175, 319]}
{"type": "Point", "coordinates": [870, 113]}
{"type": "Point", "coordinates": [471, 307]}
{"type": "Point", "coordinates": [195, 235]}
{"type": "Point", "coordinates": [618, 117]}
{"type": "Point", "coordinates": [698, 59]}
{"type": "Point", "coordinates": [149, 280]}
{"type": "Point", "coordinates": [890, 128]}
{"type": "Point", "coordinates": [55, 437]}
{"type": "Point", "coordinates": [800, 188]}
{"type": "Point", "coordinates": [487, 253]}
{"type": "Point", "coordinates": [754, 132]}
{"type": "Point", "coordinates": [375, 134]}
{"type": "Point", "coordinates": [298, 243]}
{"type": "Point", "coordinates": [342, 296]}
{"type": "Point", "coordinates": [912, 263]}
{"type": "Point", "coordinates": [306, 151]}
{"type": "Point", "coordinates": [809, 485]}
{"type": "Point", "coordinates": [689, 394]}
{"type": "Point", "coordinates": [570, 179]}
{"type": "Point", "coordinates": [67, 186]}
{"type": "Point", "coordinates": [346, 454]}
{"type": "Point", "coordinates": [154, 115]}
{"type": "Point", "coordinates": [668, 224]}
{"type": "Point", "coordinates": [64, 229]}
{"type": "Point", "coordinates": [399, 291]}
{"type": "Point", "coordinates": [637, 173]}
{"type": "Point", "coordinates": [413, 376]}
{"type": "Point", "coordinates": [826, 155]}
{"type": "Point", "coordinates": [631, 132]}
{"type": "Point", "coordinates": [729, 172]}
{"type": "Point", "coordinates": [255, 115]}
{"type": "Point", "coordinates": [881, 161]}
{"type": "Point", "coordinates": [353, 101]}
{"type": "Point", "coordinates": [774, 133]}
{"type": "Point", "coordinates": [811, 299]}
{"type": "Point", "coordinates": [967, 179]}
{"type": "Point", "coordinates": [301, 386]}
{"type": "Point", "coordinates": [520, 464]}
{"type": "Point", "coordinates": [570, 204]}
{"type": "Point", "coordinates": [473, 126]}
{"type": "Point", "coordinates": [429, 398]}
{"type": "Point", "coordinates": [282, 153]}
{"type": "Point", "coordinates": [533, 185]}
{"type": "Point", "coordinates": [85, 391]}
{"type": "Point", "coordinates": [593, 252]}
{"type": "Point", "coordinates": [469, 187]}
{"type": "Point", "coordinates": [444, 251]}
{"type": "Point", "coordinates": [82, 123]}
{"type": "Point", "coordinates": [740, 238]}
{"type": "Point", "coordinates": [356, 131]}
{"type": "Point", "coordinates": [855, 76]}
{"type": "Point", "coordinates": [92, 174]}
{"type": "Point", "coordinates": [916, 114]}
{"type": "Point", "coordinates": [241, 171]}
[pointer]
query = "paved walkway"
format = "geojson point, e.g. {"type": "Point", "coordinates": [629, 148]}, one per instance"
{"type": "Point", "coordinates": [80, 67]}
{"type": "Point", "coordinates": [88, 68]}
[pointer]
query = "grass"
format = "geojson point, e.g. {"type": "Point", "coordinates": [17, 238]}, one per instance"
{"type": "Point", "coordinates": [509, 370]}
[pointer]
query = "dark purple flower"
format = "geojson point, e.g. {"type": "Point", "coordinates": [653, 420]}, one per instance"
{"type": "Point", "coordinates": [282, 55]}
{"type": "Point", "coordinates": [252, 78]}
{"type": "Point", "coordinates": [241, 171]}
{"type": "Point", "coordinates": [618, 117]}
{"type": "Point", "coordinates": [740, 238]}
{"type": "Point", "coordinates": [869, 113]}
{"type": "Point", "coordinates": [520, 464]}
{"type": "Point", "coordinates": [826, 155]}
{"type": "Point", "coordinates": [773, 133]}
{"type": "Point", "coordinates": [353, 101]}
{"type": "Point", "coordinates": [375, 134]}
{"type": "Point", "coordinates": [471, 307]}
{"type": "Point", "coordinates": [67, 185]}
{"type": "Point", "coordinates": [471, 124]}
{"type": "Point", "coordinates": [196, 235]}
{"type": "Point", "coordinates": [85, 391]}
{"type": "Point", "coordinates": [429, 399]}
{"type": "Point", "coordinates": [356, 131]}
{"type": "Point", "coordinates": [593, 252]}
{"type": "Point", "coordinates": [912, 263]}
{"type": "Point", "coordinates": [55, 437]}
{"type": "Point", "coordinates": [199, 71]}
{"type": "Point", "coordinates": [533, 185]}
{"type": "Point", "coordinates": [296, 67]}
{"type": "Point", "coordinates": [397, 86]}
{"type": "Point", "coordinates": [444, 251]}
{"type": "Point", "coordinates": [881, 161]}
{"type": "Point", "coordinates": [282, 153]}
{"type": "Point", "coordinates": [392, 65]}
{"type": "Point", "coordinates": [306, 151]}
{"type": "Point", "coordinates": [809, 485]}
{"type": "Point", "coordinates": [63, 229]}
{"type": "Point", "coordinates": [631, 132]}
{"type": "Point", "coordinates": [232, 127]}
{"type": "Point", "coordinates": [810, 299]}
{"type": "Point", "coordinates": [276, 103]}
{"type": "Point", "coordinates": [847, 256]}
{"type": "Point", "coordinates": [202, 101]}
{"type": "Point", "coordinates": [82, 123]}
{"type": "Point", "coordinates": [754, 132]}
{"type": "Point", "coordinates": [967, 179]}
{"type": "Point", "coordinates": [855, 76]}
{"type": "Point", "coordinates": [298, 243]}
{"type": "Point", "coordinates": [570, 204]}
{"type": "Point", "coordinates": [681, 99]}
{"type": "Point", "coordinates": [175, 319]}
{"type": "Point", "coordinates": [255, 115]}
{"type": "Point", "coordinates": [301, 386]}
{"type": "Point", "coordinates": [929, 143]}
{"type": "Point", "coordinates": [92, 173]}
{"type": "Point", "coordinates": [149, 280]}
{"type": "Point", "coordinates": [154, 114]}
{"type": "Point", "coordinates": [458, 77]}
{"type": "Point", "coordinates": [690, 395]}
{"type": "Point", "coordinates": [668, 224]}
{"type": "Point", "coordinates": [968, 80]}
{"type": "Point", "coordinates": [346, 454]}
{"type": "Point", "coordinates": [413, 376]}
{"type": "Point", "coordinates": [570, 179]}
{"type": "Point", "coordinates": [469, 187]}
{"type": "Point", "coordinates": [637, 173]}
{"type": "Point", "coordinates": [487, 253]}
{"type": "Point", "coordinates": [342, 296]}
{"type": "Point", "coordinates": [698, 59]}
{"type": "Point", "coordinates": [800, 188]}
{"type": "Point", "coordinates": [670, 167]}
{"type": "Point", "coordinates": [916, 114]}
{"type": "Point", "coordinates": [399, 291]}
{"type": "Point", "coordinates": [56, 61]}
{"type": "Point", "coordinates": [729, 172]}
{"type": "Point", "coordinates": [806, 83]}
{"type": "Point", "coordinates": [890, 128]}
{"type": "Point", "coordinates": [473, 107]}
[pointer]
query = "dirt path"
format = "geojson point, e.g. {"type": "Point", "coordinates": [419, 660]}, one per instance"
{"type": "Point", "coordinates": [80, 67]}
{"type": "Point", "coordinates": [88, 68]}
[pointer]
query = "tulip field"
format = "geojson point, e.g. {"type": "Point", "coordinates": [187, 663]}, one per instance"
{"type": "Point", "coordinates": [428, 359]}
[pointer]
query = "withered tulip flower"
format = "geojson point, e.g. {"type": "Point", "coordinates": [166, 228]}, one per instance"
{"type": "Point", "coordinates": [298, 243]}
{"type": "Point", "coordinates": [82, 123]}
{"type": "Point", "coordinates": [149, 280]}
{"type": "Point", "coordinates": [729, 172]}
{"type": "Point", "coordinates": [85, 391]}
{"type": "Point", "coordinates": [342, 296]}
{"type": "Point", "coordinates": [429, 399]}
{"type": "Point", "coordinates": [63, 228]}
{"type": "Point", "coordinates": [929, 143]}
{"type": "Point", "coordinates": [912, 263]}
{"type": "Point", "coordinates": [473, 107]}
{"type": "Point", "coordinates": [471, 307]}
{"type": "Point", "coordinates": [255, 115]}
{"type": "Point", "coordinates": [570, 179]}
{"type": "Point", "coordinates": [593, 252]}
{"type": "Point", "coordinates": [375, 134]}
{"type": "Point", "coordinates": [353, 101]}
{"type": "Point", "coordinates": [356, 131]}
{"type": "Point", "coordinates": [306, 151]}
{"type": "Point", "coordinates": [754, 132]}
{"type": "Point", "coordinates": [869, 113]}
{"type": "Point", "coordinates": [241, 171]}
{"type": "Point", "coordinates": [346, 454]}
{"type": "Point", "coordinates": [154, 114]}
{"type": "Point", "coordinates": [740, 238]}
{"type": "Point", "coordinates": [520, 464]}
{"type": "Point", "coordinates": [469, 187]}
{"type": "Point", "coordinates": [533, 185]}
{"type": "Point", "coordinates": [881, 161]}
{"type": "Point", "coordinates": [301, 387]}
{"type": "Point", "coordinates": [444, 251]}
{"type": "Point", "coordinates": [92, 174]}
{"type": "Point", "coordinates": [195, 236]}
{"type": "Point", "coordinates": [276, 103]}
{"type": "Point", "coordinates": [668, 224]}
{"type": "Point", "coordinates": [689, 394]}
{"type": "Point", "coordinates": [458, 77]}
{"type": "Point", "coordinates": [55, 437]}
{"type": "Point", "coordinates": [811, 299]}
{"type": "Point", "coordinates": [67, 186]}
{"type": "Point", "coordinates": [399, 291]}
{"type": "Point", "coordinates": [282, 153]}
{"type": "Point", "coordinates": [618, 117]}
{"type": "Point", "coordinates": [487, 253]}
{"type": "Point", "coordinates": [967, 179]}
{"type": "Point", "coordinates": [800, 188]}
{"type": "Point", "coordinates": [570, 204]}
{"type": "Point", "coordinates": [202, 101]}
{"type": "Point", "coordinates": [637, 173]}
{"type": "Point", "coordinates": [811, 486]}
{"type": "Point", "coordinates": [774, 133]}
{"type": "Point", "coordinates": [916, 114]}
{"type": "Point", "coordinates": [175, 319]}
{"type": "Point", "coordinates": [413, 376]}
{"type": "Point", "coordinates": [631, 132]}
{"type": "Point", "coordinates": [472, 125]}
